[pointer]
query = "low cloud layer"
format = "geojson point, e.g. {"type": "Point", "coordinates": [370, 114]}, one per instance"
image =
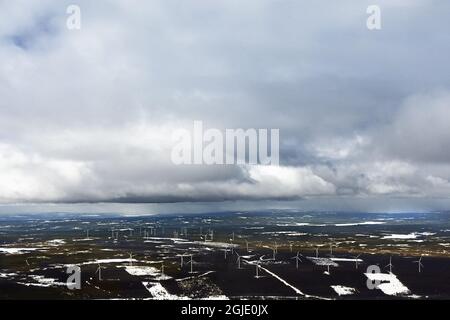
{"type": "Point", "coordinates": [87, 115]}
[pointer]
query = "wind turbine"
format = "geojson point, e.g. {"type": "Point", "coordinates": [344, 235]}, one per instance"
{"type": "Point", "coordinates": [99, 271]}
{"type": "Point", "coordinates": [191, 261]}
{"type": "Point", "coordinates": [419, 263]}
{"type": "Point", "coordinates": [257, 270]}
{"type": "Point", "coordinates": [87, 233]}
{"type": "Point", "coordinates": [162, 268]}
{"type": "Point", "coordinates": [182, 262]}
{"type": "Point", "coordinates": [26, 260]}
{"type": "Point", "coordinates": [357, 260]}
{"type": "Point", "coordinates": [246, 244]}
{"type": "Point", "coordinates": [390, 265]}
{"type": "Point", "coordinates": [297, 259]}
{"type": "Point", "coordinates": [131, 259]}
{"type": "Point", "coordinates": [211, 234]}
{"type": "Point", "coordinates": [290, 246]}
{"type": "Point", "coordinates": [317, 252]}
{"type": "Point", "coordinates": [331, 249]}
{"type": "Point", "coordinates": [238, 260]}
{"type": "Point", "coordinates": [274, 250]}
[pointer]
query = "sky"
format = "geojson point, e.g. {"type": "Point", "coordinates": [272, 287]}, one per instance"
{"type": "Point", "coordinates": [87, 116]}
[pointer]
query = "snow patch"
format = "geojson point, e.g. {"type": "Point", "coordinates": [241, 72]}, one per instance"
{"type": "Point", "coordinates": [390, 285]}
{"type": "Point", "coordinates": [344, 291]}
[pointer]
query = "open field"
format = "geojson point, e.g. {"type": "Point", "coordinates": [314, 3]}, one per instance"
{"type": "Point", "coordinates": [196, 256]}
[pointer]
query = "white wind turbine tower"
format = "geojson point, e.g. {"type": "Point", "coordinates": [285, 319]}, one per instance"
{"type": "Point", "coordinates": [162, 268]}
{"type": "Point", "coordinates": [317, 252]}
{"type": "Point", "coordinates": [419, 264]}
{"type": "Point", "coordinates": [99, 271]}
{"type": "Point", "coordinates": [87, 233]}
{"type": "Point", "coordinates": [246, 244]}
{"type": "Point", "coordinates": [274, 250]}
{"type": "Point", "coordinates": [290, 246]}
{"type": "Point", "coordinates": [182, 261]}
{"type": "Point", "coordinates": [257, 270]}
{"type": "Point", "coordinates": [238, 260]}
{"type": "Point", "coordinates": [390, 265]}
{"type": "Point", "coordinates": [297, 259]}
{"type": "Point", "coordinates": [357, 260]}
{"type": "Point", "coordinates": [226, 250]}
{"type": "Point", "coordinates": [191, 262]}
{"type": "Point", "coordinates": [131, 259]}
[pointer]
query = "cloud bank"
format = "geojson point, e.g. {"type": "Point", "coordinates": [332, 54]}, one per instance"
{"type": "Point", "coordinates": [87, 116]}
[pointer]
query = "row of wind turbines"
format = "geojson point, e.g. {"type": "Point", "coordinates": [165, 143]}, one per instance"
{"type": "Point", "coordinates": [209, 236]}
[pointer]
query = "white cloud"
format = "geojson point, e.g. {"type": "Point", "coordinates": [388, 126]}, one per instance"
{"type": "Point", "coordinates": [88, 115]}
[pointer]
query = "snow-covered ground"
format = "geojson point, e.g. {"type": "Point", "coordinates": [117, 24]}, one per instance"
{"type": "Point", "coordinates": [158, 292]}
{"type": "Point", "coordinates": [402, 236]}
{"type": "Point", "coordinates": [344, 291]}
{"type": "Point", "coordinates": [16, 250]}
{"type": "Point", "coordinates": [8, 275]}
{"type": "Point", "coordinates": [56, 242]}
{"type": "Point", "coordinates": [366, 223]}
{"type": "Point", "coordinates": [42, 281]}
{"type": "Point", "coordinates": [216, 244]}
{"type": "Point", "coordinates": [106, 261]}
{"type": "Point", "coordinates": [296, 290]}
{"type": "Point", "coordinates": [83, 239]}
{"type": "Point", "coordinates": [287, 233]}
{"type": "Point", "coordinates": [322, 261]}
{"type": "Point", "coordinates": [165, 238]}
{"type": "Point", "coordinates": [346, 260]}
{"type": "Point", "coordinates": [390, 284]}
{"type": "Point", "coordinates": [142, 271]}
